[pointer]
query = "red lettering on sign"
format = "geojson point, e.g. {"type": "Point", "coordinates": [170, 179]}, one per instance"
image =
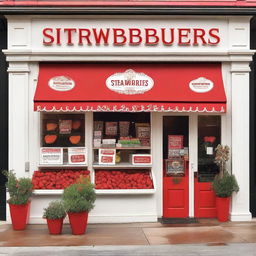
{"type": "Point", "coordinates": [101, 35]}
{"type": "Point", "coordinates": [183, 36]}
{"type": "Point", "coordinates": [47, 32]}
{"type": "Point", "coordinates": [171, 36]}
{"type": "Point", "coordinates": [119, 34]}
{"type": "Point", "coordinates": [70, 33]}
{"type": "Point", "coordinates": [131, 36]}
{"type": "Point", "coordinates": [85, 36]}
{"type": "Point", "coordinates": [199, 34]}
{"type": "Point", "coordinates": [213, 34]}
{"type": "Point", "coordinates": [135, 33]}
{"type": "Point", "coordinates": [151, 36]}
{"type": "Point", "coordinates": [58, 42]}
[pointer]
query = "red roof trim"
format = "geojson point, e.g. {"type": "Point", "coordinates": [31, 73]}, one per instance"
{"type": "Point", "coordinates": [237, 3]}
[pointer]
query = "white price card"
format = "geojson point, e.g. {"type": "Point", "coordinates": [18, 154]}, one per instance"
{"type": "Point", "coordinates": [77, 156]}
{"type": "Point", "coordinates": [209, 150]}
{"type": "Point", "coordinates": [107, 156]}
{"type": "Point", "coordinates": [51, 156]}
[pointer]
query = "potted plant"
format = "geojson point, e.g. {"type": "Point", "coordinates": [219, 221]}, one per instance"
{"type": "Point", "coordinates": [78, 200]}
{"type": "Point", "coordinates": [224, 183]}
{"type": "Point", "coordinates": [20, 191]}
{"type": "Point", "coordinates": [54, 215]}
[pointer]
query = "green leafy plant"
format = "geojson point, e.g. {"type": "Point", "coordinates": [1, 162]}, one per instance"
{"type": "Point", "coordinates": [55, 210]}
{"type": "Point", "coordinates": [20, 189]}
{"type": "Point", "coordinates": [80, 196]}
{"type": "Point", "coordinates": [224, 183]}
{"type": "Point", "coordinates": [224, 186]}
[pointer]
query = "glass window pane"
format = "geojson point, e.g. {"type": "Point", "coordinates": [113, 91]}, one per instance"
{"type": "Point", "coordinates": [175, 145]}
{"type": "Point", "coordinates": [62, 130]}
{"type": "Point", "coordinates": [209, 136]}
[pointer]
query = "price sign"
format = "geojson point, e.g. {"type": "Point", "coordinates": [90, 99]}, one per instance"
{"type": "Point", "coordinates": [142, 159]}
{"type": "Point", "coordinates": [107, 156]}
{"type": "Point", "coordinates": [65, 126]}
{"type": "Point", "coordinates": [77, 156]}
{"type": "Point", "coordinates": [175, 141]}
{"type": "Point", "coordinates": [51, 156]}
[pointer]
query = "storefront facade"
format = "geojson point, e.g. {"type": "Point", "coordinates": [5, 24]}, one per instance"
{"type": "Point", "coordinates": [177, 85]}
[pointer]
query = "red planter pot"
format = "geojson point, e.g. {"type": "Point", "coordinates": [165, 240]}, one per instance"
{"type": "Point", "coordinates": [55, 226]}
{"type": "Point", "coordinates": [222, 205]}
{"type": "Point", "coordinates": [19, 215]}
{"type": "Point", "coordinates": [78, 222]}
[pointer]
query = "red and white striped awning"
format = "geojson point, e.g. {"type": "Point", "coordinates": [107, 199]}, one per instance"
{"type": "Point", "coordinates": [125, 87]}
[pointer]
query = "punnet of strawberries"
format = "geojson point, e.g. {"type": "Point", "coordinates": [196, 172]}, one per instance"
{"type": "Point", "coordinates": [123, 179]}
{"type": "Point", "coordinates": [56, 179]}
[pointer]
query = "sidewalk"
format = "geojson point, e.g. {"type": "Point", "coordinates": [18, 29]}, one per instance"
{"type": "Point", "coordinates": [207, 231]}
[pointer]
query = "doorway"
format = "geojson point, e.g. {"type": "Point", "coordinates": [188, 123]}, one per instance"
{"type": "Point", "coordinates": [176, 167]}
{"type": "Point", "coordinates": [189, 144]}
{"type": "Point", "coordinates": [209, 136]}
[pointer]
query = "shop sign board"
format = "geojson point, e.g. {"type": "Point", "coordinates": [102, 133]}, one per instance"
{"type": "Point", "coordinates": [201, 85]}
{"type": "Point", "coordinates": [51, 156]}
{"type": "Point", "coordinates": [129, 35]}
{"type": "Point", "coordinates": [175, 141]}
{"type": "Point", "coordinates": [129, 82]}
{"type": "Point", "coordinates": [133, 36]}
{"type": "Point", "coordinates": [61, 83]}
{"type": "Point", "coordinates": [141, 159]}
{"type": "Point", "coordinates": [107, 156]}
{"type": "Point", "coordinates": [77, 155]}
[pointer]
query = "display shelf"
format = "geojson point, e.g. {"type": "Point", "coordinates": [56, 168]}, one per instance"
{"type": "Point", "coordinates": [120, 166]}
{"type": "Point", "coordinates": [48, 192]}
{"type": "Point", "coordinates": [45, 192]}
{"type": "Point", "coordinates": [125, 148]}
{"type": "Point", "coordinates": [124, 191]}
{"type": "Point", "coordinates": [62, 166]}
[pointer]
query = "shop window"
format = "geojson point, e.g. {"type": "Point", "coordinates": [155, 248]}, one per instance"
{"type": "Point", "coordinates": [127, 133]}
{"type": "Point", "coordinates": [62, 138]}
{"type": "Point", "coordinates": [122, 151]}
{"type": "Point", "coordinates": [209, 136]}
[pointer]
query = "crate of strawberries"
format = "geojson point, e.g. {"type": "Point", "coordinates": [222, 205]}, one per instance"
{"type": "Point", "coordinates": [123, 179]}
{"type": "Point", "coordinates": [56, 179]}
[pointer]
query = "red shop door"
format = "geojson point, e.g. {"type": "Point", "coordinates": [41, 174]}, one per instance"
{"type": "Point", "coordinates": [176, 173]}
{"type": "Point", "coordinates": [176, 196]}
{"type": "Point", "coordinates": [205, 205]}
{"type": "Point", "coordinates": [209, 134]}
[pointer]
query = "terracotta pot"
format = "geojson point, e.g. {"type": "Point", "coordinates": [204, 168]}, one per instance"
{"type": "Point", "coordinates": [19, 215]}
{"type": "Point", "coordinates": [222, 205]}
{"type": "Point", "coordinates": [55, 226]}
{"type": "Point", "coordinates": [78, 222]}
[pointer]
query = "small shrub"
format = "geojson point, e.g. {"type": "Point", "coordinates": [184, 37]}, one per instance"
{"type": "Point", "coordinates": [224, 186]}
{"type": "Point", "coordinates": [55, 210]}
{"type": "Point", "coordinates": [20, 189]}
{"type": "Point", "coordinates": [224, 183]}
{"type": "Point", "coordinates": [80, 196]}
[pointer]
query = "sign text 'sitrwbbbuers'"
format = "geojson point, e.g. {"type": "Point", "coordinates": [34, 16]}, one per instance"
{"type": "Point", "coordinates": [167, 36]}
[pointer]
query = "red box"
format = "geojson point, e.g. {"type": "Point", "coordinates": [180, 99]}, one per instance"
{"type": "Point", "coordinates": [175, 141]}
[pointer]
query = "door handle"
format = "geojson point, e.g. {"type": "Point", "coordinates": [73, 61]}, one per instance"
{"type": "Point", "coordinates": [192, 166]}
